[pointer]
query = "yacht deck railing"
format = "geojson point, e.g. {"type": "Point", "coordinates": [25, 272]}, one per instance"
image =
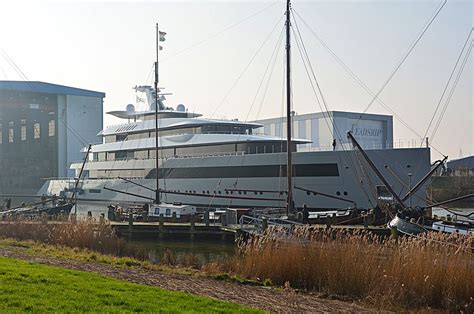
{"type": "Point", "coordinates": [196, 155]}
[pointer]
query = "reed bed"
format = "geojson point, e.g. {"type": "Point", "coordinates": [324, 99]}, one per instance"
{"type": "Point", "coordinates": [84, 234]}
{"type": "Point", "coordinates": [433, 270]}
{"type": "Point", "coordinates": [92, 235]}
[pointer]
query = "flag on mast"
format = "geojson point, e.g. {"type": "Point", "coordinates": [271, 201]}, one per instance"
{"type": "Point", "coordinates": [162, 36]}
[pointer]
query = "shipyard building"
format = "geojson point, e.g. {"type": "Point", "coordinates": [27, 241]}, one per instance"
{"type": "Point", "coordinates": [373, 131]}
{"type": "Point", "coordinates": [43, 128]}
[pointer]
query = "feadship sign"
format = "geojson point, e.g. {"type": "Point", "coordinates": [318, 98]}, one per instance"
{"type": "Point", "coordinates": [369, 132]}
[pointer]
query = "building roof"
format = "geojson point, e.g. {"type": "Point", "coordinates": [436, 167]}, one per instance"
{"type": "Point", "coordinates": [48, 88]}
{"type": "Point", "coordinates": [316, 115]}
{"type": "Point", "coordinates": [466, 162]}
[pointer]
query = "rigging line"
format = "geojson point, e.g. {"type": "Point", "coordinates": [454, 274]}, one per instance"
{"type": "Point", "coordinates": [13, 64]}
{"type": "Point", "coordinates": [265, 91]}
{"type": "Point", "coordinates": [359, 81]}
{"type": "Point", "coordinates": [4, 73]}
{"type": "Point", "coordinates": [274, 53]}
{"type": "Point", "coordinates": [241, 75]}
{"type": "Point", "coordinates": [198, 43]}
{"type": "Point", "coordinates": [347, 69]}
{"type": "Point", "coordinates": [447, 84]}
{"type": "Point", "coordinates": [306, 62]}
{"type": "Point", "coordinates": [148, 78]}
{"type": "Point", "coordinates": [247, 66]}
{"type": "Point", "coordinates": [315, 94]}
{"type": "Point", "coordinates": [27, 82]}
{"type": "Point", "coordinates": [453, 88]}
{"type": "Point", "coordinates": [148, 82]}
{"type": "Point", "coordinates": [282, 106]}
{"type": "Point", "coordinates": [304, 53]}
{"type": "Point", "coordinates": [348, 157]}
{"type": "Point", "coordinates": [392, 74]}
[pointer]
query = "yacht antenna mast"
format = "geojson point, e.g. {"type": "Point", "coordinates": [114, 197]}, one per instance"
{"type": "Point", "coordinates": [289, 167]}
{"type": "Point", "coordinates": [157, 191]}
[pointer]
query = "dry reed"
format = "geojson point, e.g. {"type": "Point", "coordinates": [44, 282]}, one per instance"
{"type": "Point", "coordinates": [90, 234]}
{"type": "Point", "coordinates": [433, 270]}
{"type": "Point", "coordinates": [85, 234]}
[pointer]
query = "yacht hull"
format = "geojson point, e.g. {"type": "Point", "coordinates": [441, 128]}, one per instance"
{"type": "Point", "coordinates": [234, 181]}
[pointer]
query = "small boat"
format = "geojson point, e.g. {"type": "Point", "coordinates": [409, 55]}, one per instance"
{"type": "Point", "coordinates": [52, 210]}
{"type": "Point", "coordinates": [61, 208]}
{"type": "Point", "coordinates": [406, 227]}
{"type": "Point", "coordinates": [459, 227]}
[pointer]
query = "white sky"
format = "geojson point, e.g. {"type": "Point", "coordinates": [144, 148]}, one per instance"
{"type": "Point", "coordinates": [109, 46]}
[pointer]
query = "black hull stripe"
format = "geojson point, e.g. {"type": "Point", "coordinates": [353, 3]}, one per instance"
{"type": "Point", "coordinates": [308, 170]}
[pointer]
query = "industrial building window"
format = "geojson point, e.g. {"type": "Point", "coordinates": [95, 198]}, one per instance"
{"type": "Point", "coordinates": [23, 133]}
{"type": "Point", "coordinates": [36, 130]}
{"type": "Point", "coordinates": [51, 128]}
{"type": "Point", "coordinates": [10, 135]}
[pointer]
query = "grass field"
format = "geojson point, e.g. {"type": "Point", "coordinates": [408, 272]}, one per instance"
{"type": "Point", "coordinates": [34, 287]}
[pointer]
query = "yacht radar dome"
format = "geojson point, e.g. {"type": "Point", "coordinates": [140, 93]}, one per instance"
{"type": "Point", "coordinates": [181, 108]}
{"type": "Point", "coordinates": [130, 108]}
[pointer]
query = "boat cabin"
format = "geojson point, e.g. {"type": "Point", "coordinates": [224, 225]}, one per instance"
{"type": "Point", "coordinates": [172, 212]}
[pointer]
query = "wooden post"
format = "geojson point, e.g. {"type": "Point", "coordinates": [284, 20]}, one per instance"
{"type": "Point", "coordinates": [394, 233]}
{"type": "Point", "coordinates": [173, 218]}
{"type": "Point", "coordinates": [192, 226]}
{"type": "Point", "coordinates": [264, 224]}
{"type": "Point", "coordinates": [206, 218]}
{"type": "Point", "coordinates": [130, 224]}
{"type": "Point", "coordinates": [328, 222]}
{"type": "Point", "coordinates": [224, 219]}
{"type": "Point", "coordinates": [366, 221]}
{"type": "Point", "coordinates": [161, 225]}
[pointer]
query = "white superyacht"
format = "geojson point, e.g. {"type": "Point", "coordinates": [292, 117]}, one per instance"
{"type": "Point", "coordinates": [224, 163]}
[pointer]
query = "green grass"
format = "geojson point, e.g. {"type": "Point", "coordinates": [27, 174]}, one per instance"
{"type": "Point", "coordinates": [34, 287]}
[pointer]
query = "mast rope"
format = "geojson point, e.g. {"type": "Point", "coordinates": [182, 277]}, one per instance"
{"type": "Point", "coordinates": [273, 56]}
{"type": "Point", "coordinates": [447, 84]}
{"type": "Point", "coordinates": [246, 68]}
{"type": "Point", "coordinates": [26, 80]}
{"type": "Point", "coordinates": [453, 88]}
{"type": "Point", "coordinates": [325, 111]}
{"type": "Point", "coordinates": [216, 34]}
{"type": "Point", "coordinates": [406, 55]}
{"type": "Point", "coordinates": [359, 81]}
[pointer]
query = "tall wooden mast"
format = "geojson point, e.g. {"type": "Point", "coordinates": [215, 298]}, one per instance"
{"type": "Point", "coordinates": [157, 192]}
{"type": "Point", "coordinates": [289, 167]}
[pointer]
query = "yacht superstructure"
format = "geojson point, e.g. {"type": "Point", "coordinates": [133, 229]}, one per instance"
{"type": "Point", "coordinates": [220, 163]}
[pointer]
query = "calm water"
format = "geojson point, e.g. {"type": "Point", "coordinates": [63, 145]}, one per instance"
{"type": "Point", "coordinates": [205, 251]}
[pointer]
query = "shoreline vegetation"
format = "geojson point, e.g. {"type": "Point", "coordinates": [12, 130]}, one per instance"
{"type": "Point", "coordinates": [443, 188]}
{"type": "Point", "coordinates": [433, 271]}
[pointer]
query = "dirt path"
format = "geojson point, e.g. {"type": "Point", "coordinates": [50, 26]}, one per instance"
{"type": "Point", "coordinates": [253, 296]}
